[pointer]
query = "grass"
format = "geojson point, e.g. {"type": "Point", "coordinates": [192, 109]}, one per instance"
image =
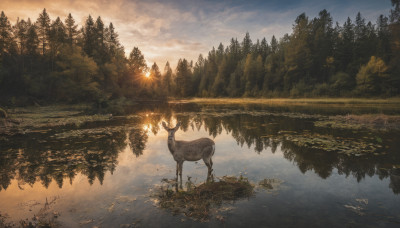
{"type": "Point", "coordinates": [293, 101]}
{"type": "Point", "coordinates": [368, 121]}
{"type": "Point", "coordinates": [199, 202]}
{"type": "Point", "coordinates": [30, 118]}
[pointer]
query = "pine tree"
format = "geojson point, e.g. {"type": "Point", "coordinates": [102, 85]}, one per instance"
{"type": "Point", "coordinates": [298, 59]}
{"type": "Point", "coordinates": [155, 77]}
{"type": "Point", "coordinates": [89, 37]}
{"type": "Point", "coordinates": [383, 32]}
{"type": "Point", "coordinates": [345, 50]}
{"type": "Point", "coordinates": [274, 45]}
{"type": "Point", "coordinates": [7, 43]}
{"type": "Point", "coordinates": [32, 40]}
{"type": "Point", "coordinates": [71, 30]}
{"type": "Point", "coordinates": [167, 79]}
{"type": "Point", "coordinates": [113, 42]}
{"type": "Point", "coordinates": [57, 37]}
{"type": "Point", "coordinates": [43, 28]}
{"type": "Point", "coordinates": [183, 78]}
{"type": "Point", "coordinates": [137, 67]}
{"type": "Point", "coordinates": [99, 42]}
{"type": "Point", "coordinates": [21, 30]}
{"type": "Point", "coordinates": [246, 45]}
{"type": "Point", "coordinates": [321, 46]}
{"type": "Point", "coordinates": [264, 49]}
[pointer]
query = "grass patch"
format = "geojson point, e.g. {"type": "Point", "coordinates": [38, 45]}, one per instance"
{"type": "Point", "coordinates": [28, 119]}
{"type": "Point", "coordinates": [367, 121]}
{"type": "Point", "coordinates": [201, 202]}
{"type": "Point", "coordinates": [294, 101]}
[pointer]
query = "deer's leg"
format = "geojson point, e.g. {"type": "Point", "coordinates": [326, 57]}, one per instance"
{"type": "Point", "coordinates": [208, 163]}
{"type": "Point", "coordinates": [180, 169]}
{"type": "Point", "coordinates": [177, 170]}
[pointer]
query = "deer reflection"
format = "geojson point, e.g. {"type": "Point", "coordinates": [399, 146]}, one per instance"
{"type": "Point", "coordinates": [195, 150]}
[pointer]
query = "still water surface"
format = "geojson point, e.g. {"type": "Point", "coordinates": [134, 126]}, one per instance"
{"type": "Point", "coordinates": [104, 174]}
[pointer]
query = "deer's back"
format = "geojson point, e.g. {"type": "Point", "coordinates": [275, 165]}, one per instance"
{"type": "Point", "coordinates": [194, 150]}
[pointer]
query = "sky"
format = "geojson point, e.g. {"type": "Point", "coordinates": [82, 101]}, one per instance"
{"type": "Point", "coordinates": [169, 30]}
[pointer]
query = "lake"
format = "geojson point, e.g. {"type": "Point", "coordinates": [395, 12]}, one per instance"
{"type": "Point", "coordinates": [108, 173]}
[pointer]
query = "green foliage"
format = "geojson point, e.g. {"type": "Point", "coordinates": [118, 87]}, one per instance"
{"type": "Point", "coordinates": [51, 61]}
{"type": "Point", "coordinates": [316, 59]}
{"type": "Point", "coordinates": [372, 76]}
{"type": "Point", "coordinates": [3, 113]}
{"type": "Point", "coordinates": [76, 76]}
{"type": "Point", "coordinates": [183, 78]}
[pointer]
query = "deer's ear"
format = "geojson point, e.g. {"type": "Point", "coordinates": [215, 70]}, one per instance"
{"type": "Point", "coordinates": [177, 126]}
{"type": "Point", "coordinates": [164, 125]}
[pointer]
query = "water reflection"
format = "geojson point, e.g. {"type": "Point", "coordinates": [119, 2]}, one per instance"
{"type": "Point", "coordinates": [61, 154]}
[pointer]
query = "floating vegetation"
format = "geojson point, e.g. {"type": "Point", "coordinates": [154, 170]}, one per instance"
{"type": "Point", "coordinates": [43, 217]}
{"type": "Point", "coordinates": [356, 122]}
{"type": "Point", "coordinates": [347, 146]}
{"type": "Point", "coordinates": [32, 119]}
{"type": "Point", "coordinates": [202, 201]}
{"type": "Point", "coordinates": [270, 184]}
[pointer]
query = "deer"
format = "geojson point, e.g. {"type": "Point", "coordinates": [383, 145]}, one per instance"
{"type": "Point", "coordinates": [195, 150]}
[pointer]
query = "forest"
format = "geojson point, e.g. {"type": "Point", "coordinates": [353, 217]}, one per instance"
{"type": "Point", "coordinates": [45, 61]}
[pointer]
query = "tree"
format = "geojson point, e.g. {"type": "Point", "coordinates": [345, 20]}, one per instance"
{"type": "Point", "coordinates": [57, 37]}
{"type": "Point", "coordinates": [222, 79]}
{"type": "Point", "coordinates": [89, 37]}
{"type": "Point", "coordinates": [183, 78]}
{"type": "Point", "coordinates": [274, 45]}
{"type": "Point", "coordinates": [112, 40]}
{"type": "Point", "coordinates": [136, 69]}
{"type": "Point", "coordinates": [76, 76]}
{"type": "Point", "coordinates": [321, 46]}
{"type": "Point", "coordinates": [7, 43]}
{"type": "Point", "coordinates": [371, 76]}
{"type": "Point", "coordinates": [99, 52]}
{"type": "Point", "coordinates": [43, 27]}
{"type": "Point", "coordinates": [246, 45]}
{"type": "Point", "coordinates": [71, 30]}
{"type": "Point", "coordinates": [32, 40]}
{"type": "Point", "coordinates": [167, 78]}
{"type": "Point", "coordinates": [345, 49]}
{"type": "Point", "coordinates": [298, 59]}
{"type": "Point", "coordinates": [21, 31]}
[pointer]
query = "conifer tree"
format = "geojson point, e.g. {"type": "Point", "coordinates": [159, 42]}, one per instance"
{"type": "Point", "coordinates": [43, 28]}
{"type": "Point", "coordinates": [89, 37]}
{"type": "Point", "coordinates": [167, 78]}
{"type": "Point", "coordinates": [71, 30]}
{"type": "Point", "coordinates": [7, 43]}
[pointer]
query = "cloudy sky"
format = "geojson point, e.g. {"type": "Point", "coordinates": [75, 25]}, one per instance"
{"type": "Point", "coordinates": [168, 30]}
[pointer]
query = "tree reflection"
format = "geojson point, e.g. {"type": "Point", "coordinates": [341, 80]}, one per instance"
{"type": "Point", "coordinates": [261, 132]}
{"type": "Point", "coordinates": [138, 139]}
{"type": "Point", "coordinates": [37, 158]}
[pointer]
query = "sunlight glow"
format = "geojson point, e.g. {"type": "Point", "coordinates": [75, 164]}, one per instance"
{"type": "Point", "coordinates": [147, 75]}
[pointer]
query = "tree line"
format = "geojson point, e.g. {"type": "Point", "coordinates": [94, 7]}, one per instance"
{"type": "Point", "coordinates": [46, 61]}
{"type": "Point", "coordinates": [318, 58]}
{"type": "Point", "coordinates": [55, 61]}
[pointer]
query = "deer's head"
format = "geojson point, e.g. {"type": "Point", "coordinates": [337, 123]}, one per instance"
{"type": "Point", "coordinates": [171, 131]}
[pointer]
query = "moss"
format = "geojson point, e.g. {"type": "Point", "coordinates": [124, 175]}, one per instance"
{"type": "Point", "coordinates": [36, 118]}
{"type": "Point", "coordinates": [198, 202]}
{"type": "Point", "coordinates": [328, 143]}
{"type": "Point", "coordinates": [356, 122]}
{"type": "Point", "coordinates": [3, 113]}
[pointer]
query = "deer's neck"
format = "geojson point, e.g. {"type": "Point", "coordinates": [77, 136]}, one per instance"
{"type": "Point", "coordinates": [171, 145]}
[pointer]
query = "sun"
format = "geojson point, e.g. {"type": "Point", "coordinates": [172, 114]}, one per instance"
{"type": "Point", "coordinates": [147, 75]}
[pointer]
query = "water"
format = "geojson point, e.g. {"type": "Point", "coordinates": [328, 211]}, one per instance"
{"type": "Point", "coordinates": [105, 174]}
